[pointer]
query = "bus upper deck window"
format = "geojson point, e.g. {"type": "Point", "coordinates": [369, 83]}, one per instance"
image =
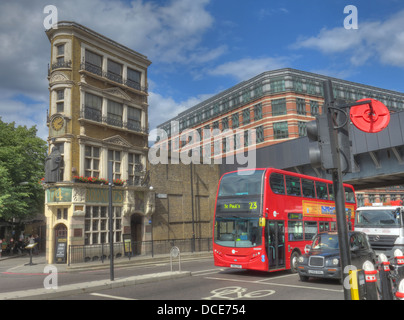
{"type": "Point", "coordinates": [277, 183]}
{"type": "Point", "coordinates": [321, 189]}
{"type": "Point", "coordinates": [293, 186]}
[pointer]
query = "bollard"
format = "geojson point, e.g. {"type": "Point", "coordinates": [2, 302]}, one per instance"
{"type": "Point", "coordinates": [400, 291]}
{"type": "Point", "coordinates": [384, 274]}
{"type": "Point", "coordinates": [370, 281]}
{"type": "Point", "coordinates": [399, 260]}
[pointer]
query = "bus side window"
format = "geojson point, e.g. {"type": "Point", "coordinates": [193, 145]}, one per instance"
{"type": "Point", "coordinates": [308, 188]}
{"type": "Point", "coordinates": [310, 230]}
{"type": "Point", "coordinates": [349, 195]}
{"type": "Point", "coordinates": [277, 183]}
{"type": "Point", "coordinates": [321, 189]}
{"type": "Point", "coordinates": [330, 191]}
{"type": "Point", "coordinates": [293, 186]}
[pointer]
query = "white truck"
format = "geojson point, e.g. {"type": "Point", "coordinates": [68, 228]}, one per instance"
{"type": "Point", "coordinates": [384, 226]}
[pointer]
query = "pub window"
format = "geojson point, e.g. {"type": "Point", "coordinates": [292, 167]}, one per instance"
{"type": "Point", "coordinates": [135, 169]}
{"type": "Point", "coordinates": [134, 119]}
{"type": "Point", "coordinates": [60, 96]}
{"type": "Point", "coordinates": [277, 183]}
{"type": "Point", "coordinates": [93, 62]}
{"type": "Point", "coordinates": [92, 107]}
{"type": "Point", "coordinates": [60, 55]}
{"type": "Point", "coordinates": [115, 157]}
{"type": "Point", "coordinates": [293, 186]}
{"type": "Point", "coordinates": [134, 77]}
{"type": "Point", "coordinates": [114, 71]}
{"type": "Point", "coordinates": [96, 224]}
{"type": "Point", "coordinates": [62, 213]}
{"type": "Point", "coordinates": [92, 161]}
{"type": "Point", "coordinates": [114, 115]}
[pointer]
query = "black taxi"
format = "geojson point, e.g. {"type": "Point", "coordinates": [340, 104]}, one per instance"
{"type": "Point", "coordinates": [322, 259]}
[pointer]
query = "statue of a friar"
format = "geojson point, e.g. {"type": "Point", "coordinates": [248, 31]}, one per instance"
{"type": "Point", "coordinates": [52, 164]}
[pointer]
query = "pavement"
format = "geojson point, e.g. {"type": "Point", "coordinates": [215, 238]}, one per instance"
{"type": "Point", "coordinates": [21, 264]}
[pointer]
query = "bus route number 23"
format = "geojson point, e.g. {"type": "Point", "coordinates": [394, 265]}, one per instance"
{"type": "Point", "coordinates": [253, 205]}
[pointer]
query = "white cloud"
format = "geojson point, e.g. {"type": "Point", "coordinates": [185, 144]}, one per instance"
{"type": "Point", "coordinates": [383, 40]}
{"type": "Point", "coordinates": [170, 32]}
{"type": "Point", "coordinates": [247, 68]}
{"type": "Point", "coordinates": [162, 108]}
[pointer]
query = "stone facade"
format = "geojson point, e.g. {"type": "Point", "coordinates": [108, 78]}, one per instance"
{"type": "Point", "coordinates": [98, 114]}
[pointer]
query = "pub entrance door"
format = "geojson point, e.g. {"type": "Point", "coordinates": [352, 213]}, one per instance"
{"type": "Point", "coordinates": [60, 243]}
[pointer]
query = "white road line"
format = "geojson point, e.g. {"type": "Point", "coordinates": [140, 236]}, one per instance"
{"type": "Point", "coordinates": [111, 297]}
{"type": "Point", "coordinates": [205, 272]}
{"type": "Point", "coordinates": [278, 284]}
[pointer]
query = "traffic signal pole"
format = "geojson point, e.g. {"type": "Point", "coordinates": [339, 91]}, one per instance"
{"type": "Point", "coordinates": [330, 148]}
{"type": "Point", "coordinates": [339, 193]}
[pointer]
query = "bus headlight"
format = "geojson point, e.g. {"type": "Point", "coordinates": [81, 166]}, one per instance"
{"type": "Point", "coordinates": [335, 261]}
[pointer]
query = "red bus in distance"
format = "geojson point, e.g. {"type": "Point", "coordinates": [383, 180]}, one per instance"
{"type": "Point", "coordinates": [265, 217]}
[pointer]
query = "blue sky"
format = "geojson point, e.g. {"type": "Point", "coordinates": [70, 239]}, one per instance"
{"type": "Point", "coordinates": [199, 48]}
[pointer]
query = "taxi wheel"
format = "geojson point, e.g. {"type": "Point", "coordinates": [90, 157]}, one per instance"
{"type": "Point", "coordinates": [293, 261]}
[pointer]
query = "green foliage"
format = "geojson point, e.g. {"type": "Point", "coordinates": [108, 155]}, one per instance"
{"type": "Point", "coordinates": [22, 163]}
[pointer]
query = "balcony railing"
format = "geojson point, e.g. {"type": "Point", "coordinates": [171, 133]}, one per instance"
{"type": "Point", "coordinates": [96, 115]}
{"type": "Point", "coordinates": [59, 65]}
{"type": "Point", "coordinates": [112, 76]}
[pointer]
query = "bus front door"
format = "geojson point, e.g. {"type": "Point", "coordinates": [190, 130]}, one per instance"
{"type": "Point", "coordinates": [276, 244]}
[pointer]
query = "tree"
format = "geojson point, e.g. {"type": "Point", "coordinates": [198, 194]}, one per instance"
{"type": "Point", "coordinates": [22, 165]}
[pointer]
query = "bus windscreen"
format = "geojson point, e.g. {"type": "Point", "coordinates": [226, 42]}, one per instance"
{"type": "Point", "coordinates": [236, 184]}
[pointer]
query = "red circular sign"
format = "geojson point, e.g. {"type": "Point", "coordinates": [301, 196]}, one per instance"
{"type": "Point", "coordinates": [372, 118]}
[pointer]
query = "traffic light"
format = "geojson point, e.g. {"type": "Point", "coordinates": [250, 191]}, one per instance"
{"type": "Point", "coordinates": [319, 143]}
{"type": "Point", "coordinates": [344, 142]}
{"type": "Point", "coordinates": [321, 152]}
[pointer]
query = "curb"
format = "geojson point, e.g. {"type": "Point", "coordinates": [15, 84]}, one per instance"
{"type": "Point", "coordinates": [88, 287]}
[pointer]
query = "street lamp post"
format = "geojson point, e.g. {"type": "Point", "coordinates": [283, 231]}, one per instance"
{"type": "Point", "coordinates": [111, 228]}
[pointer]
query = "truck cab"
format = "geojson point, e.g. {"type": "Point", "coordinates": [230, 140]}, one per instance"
{"type": "Point", "coordinates": [384, 227]}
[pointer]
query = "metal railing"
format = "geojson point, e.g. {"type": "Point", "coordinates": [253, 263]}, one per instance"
{"type": "Point", "coordinates": [100, 252]}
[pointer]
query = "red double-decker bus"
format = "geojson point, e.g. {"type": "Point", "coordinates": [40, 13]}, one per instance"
{"type": "Point", "coordinates": [265, 217]}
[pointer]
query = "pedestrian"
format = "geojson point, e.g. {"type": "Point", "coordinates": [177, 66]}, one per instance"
{"type": "Point", "coordinates": [36, 240]}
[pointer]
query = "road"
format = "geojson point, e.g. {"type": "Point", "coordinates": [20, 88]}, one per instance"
{"type": "Point", "coordinates": [208, 283]}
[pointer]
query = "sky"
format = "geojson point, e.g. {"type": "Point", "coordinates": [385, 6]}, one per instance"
{"type": "Point", "coordinates": [199, 48]}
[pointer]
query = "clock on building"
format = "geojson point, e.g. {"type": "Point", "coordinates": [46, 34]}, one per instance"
{"type": "Point", "coordinates": [57, 123]}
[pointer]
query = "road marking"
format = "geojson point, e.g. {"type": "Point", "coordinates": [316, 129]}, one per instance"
{"type": "Point", "coordinates": [111, 297]}
{"type": "Point", "coordinates": [205, 272]}
{"type": "Point", "coordinates": [278, 284]}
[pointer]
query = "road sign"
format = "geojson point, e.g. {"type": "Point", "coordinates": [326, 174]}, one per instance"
{"type": "Point", "coordinates": [370, 117]}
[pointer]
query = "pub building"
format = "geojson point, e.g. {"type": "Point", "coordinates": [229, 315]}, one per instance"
{"type": "Point", "coordinates": [98, 113]}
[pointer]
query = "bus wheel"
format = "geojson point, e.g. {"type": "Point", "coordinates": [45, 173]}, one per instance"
{"type": "Point", "coordinates": [293, 261]}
